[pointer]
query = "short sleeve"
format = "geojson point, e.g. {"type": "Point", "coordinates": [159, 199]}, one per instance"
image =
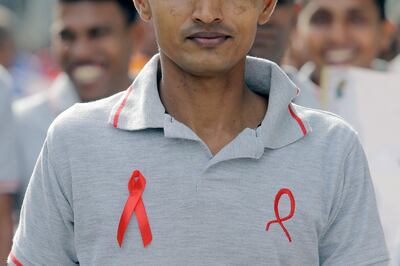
{"type": "Point", "coordinates": [45, 235]}
{"type": "Point", "coordinates": [8, 151]}
{"type": "Point", "coordinates": [354, 235]}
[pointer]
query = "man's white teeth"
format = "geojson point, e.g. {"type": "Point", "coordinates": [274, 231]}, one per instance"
{"type": "Point", "coordinates": [343, 55]}
{"type": "Point", "coordinates": [87, 74]}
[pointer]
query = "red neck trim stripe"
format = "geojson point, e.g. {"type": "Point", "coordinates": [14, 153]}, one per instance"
{"type": "Point", "coordinates": [298, 120]}
{"type": "Point", "coordinates": [121, 107]}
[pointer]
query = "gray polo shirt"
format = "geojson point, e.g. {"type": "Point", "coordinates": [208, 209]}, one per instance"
{"type": "Point", "coordinates": [8, 161]}
{"type": "Point", "coordinates": [302, 173]}
{"type": "Point", "coordinates": [34, 115]}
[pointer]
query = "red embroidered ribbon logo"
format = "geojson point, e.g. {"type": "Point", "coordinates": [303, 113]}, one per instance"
{"type": "Point", "coordinates": [280, 220]}
{"type": "Point", "coordinates": [136, 186]}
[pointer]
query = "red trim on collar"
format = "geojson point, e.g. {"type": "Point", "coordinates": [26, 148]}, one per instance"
{"type": "Point", "coordinates": [15, 260]}
{"type": "Point", "coordinates": [121, 107]}
{"type": "Point", "coordinates": [298, 120]}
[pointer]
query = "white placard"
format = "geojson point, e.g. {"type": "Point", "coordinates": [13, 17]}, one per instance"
{"type": "Point", "coordinates": [369, 101]}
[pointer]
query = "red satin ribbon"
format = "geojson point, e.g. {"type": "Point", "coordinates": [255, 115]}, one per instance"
{"type": "Point", "coordinates": [134, 204]}
{"type": "Point", "coordinates": [280, 220]}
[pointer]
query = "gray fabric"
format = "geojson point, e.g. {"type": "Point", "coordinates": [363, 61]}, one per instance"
{"type": "Point", "coordinates": [8, 161]}
{"type": "Point", "coordinates": [34, 115]}
{"type": "Point", "coordinates": [202, 209]}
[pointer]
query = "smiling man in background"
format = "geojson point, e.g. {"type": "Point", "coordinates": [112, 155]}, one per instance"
{"type": "Point", "coordinates": [92, 41]}
{"type": "Point", "coordinates": [204, 160]}
{"type": "Point", "coordinates": [342, 32]}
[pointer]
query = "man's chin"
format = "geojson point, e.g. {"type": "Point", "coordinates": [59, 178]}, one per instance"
{"type": "Point", "coordinates": [209, 67]}
{"type": "Point", "coordinates": [208, 71]}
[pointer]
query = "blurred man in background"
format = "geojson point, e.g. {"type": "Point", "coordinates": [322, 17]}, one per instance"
{"type": "Point", "coordinates": [8, 167]}
{"type": "Point", "coordinates": [271, 42]}
{"type": "Point", "coordinates": [351, 33]}
{"type": "Point", "coordinates": [342, 32]}
{"type": "Point", "coordinates": [93, 43]}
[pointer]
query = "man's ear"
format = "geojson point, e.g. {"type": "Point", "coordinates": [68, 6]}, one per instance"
{"type": "Point", "coordinates": [268, 9]}
{"type": "Point", "coordinates": [143, 8]}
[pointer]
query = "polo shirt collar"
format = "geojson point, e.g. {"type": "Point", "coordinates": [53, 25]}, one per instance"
{"type": "Point", "coordinates": [284, 123]}
{"type": "Point", "coordinates": [140, 108]}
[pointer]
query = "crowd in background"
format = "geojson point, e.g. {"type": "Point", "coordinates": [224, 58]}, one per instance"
{"type": "Point", "coordinates": [57, 53]}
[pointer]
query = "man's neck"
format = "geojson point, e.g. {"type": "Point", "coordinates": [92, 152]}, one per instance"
{"type": "Point", "coordinates": [216, 108]}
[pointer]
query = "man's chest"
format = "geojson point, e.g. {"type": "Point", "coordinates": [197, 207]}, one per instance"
{"type": "Point", "coordinates": [233, 213]}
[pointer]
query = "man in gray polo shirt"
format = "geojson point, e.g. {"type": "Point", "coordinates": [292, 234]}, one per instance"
{"type": "Point", "coordinates": [204, 160]}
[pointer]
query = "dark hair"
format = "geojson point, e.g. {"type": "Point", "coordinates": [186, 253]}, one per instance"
{"type": "Point", "coordinates": [127, 7]}
{"type": "Point", "coordinates": [381, 4]}
{"type": "Point", "coordinates": [285, 2]}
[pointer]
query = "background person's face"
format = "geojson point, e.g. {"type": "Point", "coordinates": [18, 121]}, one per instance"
{"type": "Point", "coordinates": [93, 44]}
{"type": "Point", "coordinates": [342, 32]}
{"type": "Point", "coordinates": [205, 37]}
{"type": "Point", "coordinates": [272, 38]}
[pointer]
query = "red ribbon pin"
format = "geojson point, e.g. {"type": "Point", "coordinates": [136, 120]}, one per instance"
{"type": "Point", "coordinates": [280, 220]}
{"type": "Point", "coordinates": [134, 204]}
